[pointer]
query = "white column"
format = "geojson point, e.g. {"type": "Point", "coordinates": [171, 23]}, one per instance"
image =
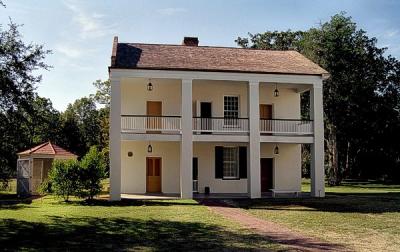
{"type": "Point", "coordinates": [115, 140]}
{"type": "Point", "coordinates": [186, 143]}
{"type": "Point", "coordinates": [253, 172]}
{"type": "Point", "coordinates": [317, 148]}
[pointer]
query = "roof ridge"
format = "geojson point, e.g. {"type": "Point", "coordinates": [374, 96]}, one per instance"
{"type": "Point", "coordinates": [51, 145]}
{"type": "Point", "coordinates": [206, 46]}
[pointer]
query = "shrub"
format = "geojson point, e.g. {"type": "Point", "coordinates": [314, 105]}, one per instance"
{"type": "Point", "coordinates": [92, 171]}
{"type": "Point", "coordinates": [45, 187]}
{"type": "Point", "coordinates": [65, 178]}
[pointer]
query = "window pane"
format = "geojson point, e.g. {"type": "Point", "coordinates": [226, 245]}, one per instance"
{"type": "Point", "coordinates": [231, 164]}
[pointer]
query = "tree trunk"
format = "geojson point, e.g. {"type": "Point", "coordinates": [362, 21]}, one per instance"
{"type": "Point", "coordinates": [332, 155]}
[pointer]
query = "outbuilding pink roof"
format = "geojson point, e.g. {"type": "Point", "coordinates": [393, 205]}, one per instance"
{"type": "Point", "coordinates": [47, 148]}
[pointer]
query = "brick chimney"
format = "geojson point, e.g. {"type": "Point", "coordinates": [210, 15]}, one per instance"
{"type": "Point", "coordinates": [190, 41]}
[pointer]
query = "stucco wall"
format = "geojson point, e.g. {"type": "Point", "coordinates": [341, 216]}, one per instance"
{"type": "Point", "coordinates": [214, 91]}
{"type": "Point", "coordinates": [133, 169]}
{"type": "Point", "coordinates": [205, 152]}
{"type": "Point", "coordinates": [285, 106]}
{"type": "Point", "coordinates": [134, 96]}
{"type": "Point", "coordinates": [287, 165]}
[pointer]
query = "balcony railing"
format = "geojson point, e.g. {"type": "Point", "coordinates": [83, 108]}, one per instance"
{"type": "Point", "coordinates": [151, 124]}
{"type": "Point", "coordinates": [286, 127]}
{"type": "Point", "coordinates": [220, 125]}
{"type": "Point", "coordinates": [214, 125]}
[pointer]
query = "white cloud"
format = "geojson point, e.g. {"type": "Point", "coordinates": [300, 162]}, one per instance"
{"type": "Point", "coordinates": [68, 51]}
{"type": "Point", "coordinates": [91, 25]}
{"type": "Point", "coordinates": [391, 33]}
{"type": "Point", "coordinates": [171, 11]}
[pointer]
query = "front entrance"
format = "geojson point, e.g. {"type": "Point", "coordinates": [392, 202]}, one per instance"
{"type": "Point", "coordinates": [154, 112]}
{"type": "Point", "coordinates": [266, 174]}
{"type": "Point", "coordinates": [153, 174]}
{"type": "Point", "coordinates": [195, 174]}
{"type": "Point", "coordinates": [205, 114]}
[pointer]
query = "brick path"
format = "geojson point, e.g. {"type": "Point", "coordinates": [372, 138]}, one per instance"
{"type": "Point", "coordinates": [272, 231]}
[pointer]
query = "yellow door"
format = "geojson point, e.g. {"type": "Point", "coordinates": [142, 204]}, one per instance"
{"type": "Point", "coordinates": [153, 174]}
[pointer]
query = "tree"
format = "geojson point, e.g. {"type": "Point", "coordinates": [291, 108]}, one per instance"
{"type": "Point", "coordinates": [363, 84]}
{"type": "Point", "coordinates": [92, 172]}
{"type": "Point", "coordinates": [103, 93]}
{"type": "Point", "coordinates": [18, 61]}
{"type": "Point", "coordinates": [65, 178]}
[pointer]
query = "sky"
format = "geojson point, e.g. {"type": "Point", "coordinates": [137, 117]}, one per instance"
{"type": "Point", "coordinates": [80, 33]}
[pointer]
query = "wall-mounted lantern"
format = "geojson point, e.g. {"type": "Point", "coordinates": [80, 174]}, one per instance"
{"type": "Point", "coordinates": [130, 154]}
{"type": "Point", "coordinates": [276, 150]}
{"type": "Point", "coordinates": [149, 86]}
{"type": "Point", "coordinates": [276, 91]}
{"type": "Point", "coordinates": [149, 148]}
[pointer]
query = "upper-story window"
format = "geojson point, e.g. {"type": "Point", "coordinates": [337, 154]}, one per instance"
{"type": "Point", "coordinates": [231, 110]}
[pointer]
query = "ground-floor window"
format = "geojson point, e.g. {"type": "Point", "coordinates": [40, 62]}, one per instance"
{"type": "Point", "coordinates": [231, 162]}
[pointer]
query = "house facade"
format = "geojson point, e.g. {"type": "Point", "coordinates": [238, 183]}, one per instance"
{"type": "Point", "coordinates": [188, 119]}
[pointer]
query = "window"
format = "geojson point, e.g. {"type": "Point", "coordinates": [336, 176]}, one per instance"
{"type": "Point", "coordinates": [231, 162]}
{"type": "Point", "coordinates": [231, 110]}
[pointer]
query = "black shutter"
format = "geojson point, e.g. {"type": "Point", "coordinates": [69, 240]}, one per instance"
{"type": "Point", "coordinates": [243, 162]}
{"type": "Point", "coordinates": [219, 161]}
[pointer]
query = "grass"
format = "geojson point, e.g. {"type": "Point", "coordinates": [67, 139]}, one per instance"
{"type": "Point", "coordinates": [180, 225]}
{"type": "Point", "coordinates": [361, 216]}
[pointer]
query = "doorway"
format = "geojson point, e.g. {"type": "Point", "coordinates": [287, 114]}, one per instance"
{"type": "Point", "coordinates": [266, 174]}
{"type": "Point", "coordinates": [154, 112]}
{"type": "Point", "coordinates": [205, 114]}
{"type": "Point", "coordinates": [195, 174]}
{"type": "Point", "coordinates": [153, 174]}
{"type": "Point", "coordinates": [265, 118]}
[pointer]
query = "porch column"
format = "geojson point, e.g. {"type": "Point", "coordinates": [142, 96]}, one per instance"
{"type": "Point", "coordinates": [317, 148]}
{"type": "Point", "coordinates": [115, 140]}
{"type": "Point", "coordinates": [253, 176]}
{"type": "Point", "coordinates": [186, 143]}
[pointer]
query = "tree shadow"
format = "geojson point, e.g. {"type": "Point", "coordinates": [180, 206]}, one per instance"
{"type": "Point", "coordinates": [131, 202]}
{"type": "Point", "coordinates": [333, 202]}
{"type": "Point", "coordinates": [121, 234]}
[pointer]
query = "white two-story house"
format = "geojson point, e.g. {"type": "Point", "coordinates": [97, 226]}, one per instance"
{"type": "Point", "coordinates": [189, 119]}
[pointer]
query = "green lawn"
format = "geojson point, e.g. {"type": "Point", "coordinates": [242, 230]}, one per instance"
{"type": "Point", "coordinates": [128, 225]}
{"type": "Point", "coordinates": [361, 216]}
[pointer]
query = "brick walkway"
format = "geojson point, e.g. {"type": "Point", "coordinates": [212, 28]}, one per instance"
{"type": "Point", "coordinates": [272, 231]}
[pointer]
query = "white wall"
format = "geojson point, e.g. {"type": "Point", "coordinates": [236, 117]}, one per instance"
{"type": "Point", "coordinates": [133, 169]}
{"type": "Point", "coordinates": [214, 91]}
{"type": "Point", "coordinates": [285, 106]}
{"type": "Point", "coordinates": [205, 152]}
{"type": "Point", "coordinates": [287, 165]}
{"type": "Point", "coordinates": [134, 95]}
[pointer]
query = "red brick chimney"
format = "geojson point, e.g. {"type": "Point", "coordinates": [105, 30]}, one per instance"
{"type": "Point", "coordinates": [190, 41]}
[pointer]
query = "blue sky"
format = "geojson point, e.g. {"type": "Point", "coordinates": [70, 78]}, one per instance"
{"type": "Point", "coordinates": [80, 33]}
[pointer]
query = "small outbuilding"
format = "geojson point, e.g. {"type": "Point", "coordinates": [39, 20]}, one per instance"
{"type": "Point", "coordinates": [34, 164]}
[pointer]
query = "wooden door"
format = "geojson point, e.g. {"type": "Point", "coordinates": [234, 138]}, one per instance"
{"type": "Point", "coordinates": [154, 112]}
{"type": "Point", "coordinates": [153, 175]}
{"type": "Point", "coordinates": [265, 116]}
{"type": "Point", "coordinates": [266, 174]}
{"type": "Point", "coordinates": [205, 114]}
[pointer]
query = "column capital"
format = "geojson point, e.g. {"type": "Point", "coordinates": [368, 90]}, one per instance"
{"type": "Point", "coordinates": [254, 82]}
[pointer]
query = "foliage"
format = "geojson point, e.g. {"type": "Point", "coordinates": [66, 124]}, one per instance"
{"type": "Point", "coordinates": [18, 61]}
{"type": "Point", "coordinates": [65, 178]}
{"type": "Point", "coordinates": [92, 171]}
{"type": "Point", "coordinates": [103, 93]}
{"type": "Point", "coordinates": [361, 98]}
{"type": "Point", "coordinates": [45, 187]}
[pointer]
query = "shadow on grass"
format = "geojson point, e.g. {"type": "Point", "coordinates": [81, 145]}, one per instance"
{"type": "Point", "coordinates": [130, 202]}
{"type": "Point", "coordinates": [333, 202]}
{"type": "Point", "coordinates": [92, 233]}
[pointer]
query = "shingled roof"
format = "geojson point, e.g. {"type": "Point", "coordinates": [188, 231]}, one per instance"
{"type": "Point", "coordinates": [208, 58]}
{"type": "Point", "coordinates": [47, 148]}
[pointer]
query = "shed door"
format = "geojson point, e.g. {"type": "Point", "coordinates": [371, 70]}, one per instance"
{"type": "Point", "coordinates": [23, 177]}
{"type": "Point", "coordinates": [36, 178]}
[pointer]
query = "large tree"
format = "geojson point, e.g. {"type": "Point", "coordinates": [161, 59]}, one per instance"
{"type": "Point", "coordinates": [18, 62]}
{"type": "Point", "coordinates": [364, 83]}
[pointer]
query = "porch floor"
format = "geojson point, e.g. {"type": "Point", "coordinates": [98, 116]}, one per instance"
{"type": "Point", "coordinates": [174, 196]}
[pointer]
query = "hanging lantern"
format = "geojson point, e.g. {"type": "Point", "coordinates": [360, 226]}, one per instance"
{"type": "Point", "coordinates": [276, 150]}
{"type": "Point", "coordinates": [276, 91]}
{"type": "Point", "coordinates": [149, 86]}
{"type": "Point", "coordinates": [149, 148]}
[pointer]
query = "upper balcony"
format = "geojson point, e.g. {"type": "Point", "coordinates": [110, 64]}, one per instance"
{"type": "Point", "coordinates": [144, 124]}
